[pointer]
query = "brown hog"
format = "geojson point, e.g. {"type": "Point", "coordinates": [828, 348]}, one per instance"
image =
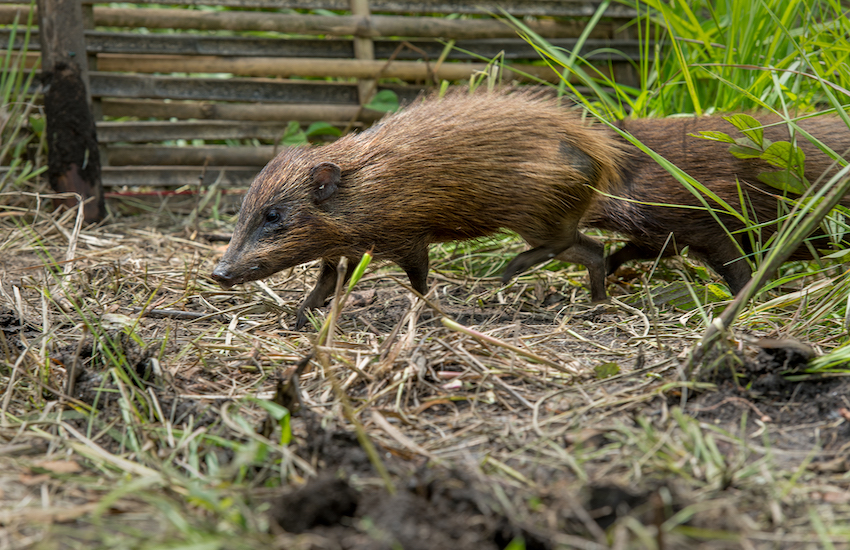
{"type": "Point", "coordinates": [710, 163]}
{"type": "Point", "coordinates": [455, 168]}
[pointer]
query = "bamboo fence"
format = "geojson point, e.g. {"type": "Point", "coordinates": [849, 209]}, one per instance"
{"type": "Point", "coordinates": [186, 95]}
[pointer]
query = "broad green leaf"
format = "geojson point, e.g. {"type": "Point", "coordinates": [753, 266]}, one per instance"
{"type": "Point", "coordinates": [294, 135]}
{"type": "Point", "coordinates": [784, 181]}
{"type": "Point", "coordinates": [745, 148]}
{"type": "Point", "coordinates": [385, 101]}
{"type": "Point", "coordinates": [717, 291]}
{"type": "Point", "coordinates": [322, 129]}
{"type": "Point", "coordinates": [748, 126]}
{"type": "Point", "coordinates": [784, 155]}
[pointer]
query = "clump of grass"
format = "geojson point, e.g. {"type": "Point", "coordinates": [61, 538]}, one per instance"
{"type": "Point", "coordinates": [740, 56]}
{"type": "Point", "coordinates": [18, 113]}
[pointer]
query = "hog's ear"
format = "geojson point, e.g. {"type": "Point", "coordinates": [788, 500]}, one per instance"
{"type": "Point", "coordinates": [325, 181]}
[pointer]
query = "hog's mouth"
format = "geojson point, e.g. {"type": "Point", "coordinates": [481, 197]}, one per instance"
{"type": "Point", "coordinates": [226, 276]}
{"type": "Point", "coordinates": [226, 286]}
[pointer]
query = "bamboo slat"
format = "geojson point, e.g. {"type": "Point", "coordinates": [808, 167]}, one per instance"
{"type": "Point", "coordinates": [552, 8]}
{"type": "Point", "coordinates": [153, 108]}
{"type": "Point", "coordinates": [233, 89]}
{"type": "Point", "coordinates": [176, 176]}
{"type": "Point", "coordinates": [343, 25]}
{"type": "Point", "coordinates": [99, 42]}
{"type": "Point", "coordinates": [286, 67]}
{"type": "Point", "coordinates": [154, 155]}
{"type": "Point", "coordinates": [139, 132]}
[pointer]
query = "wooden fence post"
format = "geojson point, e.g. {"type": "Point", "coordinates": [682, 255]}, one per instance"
{"type": "Point", "coordinates": [91, 61]}
{"type": "Point", "coordinates": [73, 155]}
{"type": "Point", "coordinates": [364, 48]}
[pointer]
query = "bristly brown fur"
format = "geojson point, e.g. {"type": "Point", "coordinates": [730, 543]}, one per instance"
{"type": "Point", "coordinates": [443, 169]}
{"type": "Point", "coordinates": [710, 163]}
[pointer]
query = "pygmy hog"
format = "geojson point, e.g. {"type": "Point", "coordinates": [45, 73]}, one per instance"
{"type": "Point", "coordinates": [443, 169]}
{"type": "Point", "coordinates": [709, 162]}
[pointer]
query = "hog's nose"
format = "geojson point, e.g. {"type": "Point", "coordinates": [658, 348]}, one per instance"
{"type": "Point", "coordinates": [222, 275]}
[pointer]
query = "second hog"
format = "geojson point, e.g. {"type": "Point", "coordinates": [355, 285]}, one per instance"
{"type": "Point", "coordinates": [443, 169]}
{"type": "Point", "coordinates": [649, 226]}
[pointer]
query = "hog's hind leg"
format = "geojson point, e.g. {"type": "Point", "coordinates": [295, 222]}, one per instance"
{"type": "Point", "coordinates": [568, 245]}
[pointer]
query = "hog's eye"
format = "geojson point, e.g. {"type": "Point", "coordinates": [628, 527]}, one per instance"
{"type": "Point", "coordinates": [273, 216]}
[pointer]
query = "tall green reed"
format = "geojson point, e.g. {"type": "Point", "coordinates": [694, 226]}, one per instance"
{"type": "Point", "coordinates": [17, 111]}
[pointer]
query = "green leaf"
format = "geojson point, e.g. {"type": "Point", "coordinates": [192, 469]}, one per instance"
{"type": "Point", "coordinates": [745, 148]}
{"type": "Point", "coordinates": [748, 126]}
{"type": "Point", "coordinates": [720, 292]}
{"type": "Point", "coordinates": [784, 155]}
{"type": "Point", "coordinates": [37, 124]}
{"type": "Point", "coordinates": [281, 415]}
{"type": "Point", "coordinates": [385, 101]}
{"type": "Point", "coordinates": [606, 370]}
{"type": "Point", "coordinates": [700, 272]}
{"type": "Point", "coordinates": [294, 135]}
{"type": "Point", "coordinates": [322, 129]}
{"type": "Point", "coordinates": [285, 430]}
{"type": "Point", "coordinates": [784, 181]}
{"type": "Point", "coordinates": [678, 295]}
{"type": "Point", "coordinates": [714, 136]}
{"type": "Point", "coordinates": [838, 254]}
{"type": "Point", "coordinates": [276, 411]}
{"type": "Point", "coordinates": [359, 270]}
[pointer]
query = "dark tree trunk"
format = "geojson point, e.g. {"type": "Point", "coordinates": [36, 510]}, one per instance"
{"type": "Point", "coordinates": [73, 157]}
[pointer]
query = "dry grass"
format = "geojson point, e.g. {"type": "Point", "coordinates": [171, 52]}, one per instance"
{"type": "Point", "coordinates": [521, 406]}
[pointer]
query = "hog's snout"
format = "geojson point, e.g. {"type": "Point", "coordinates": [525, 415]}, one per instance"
{"type": "Point", "coordinates": [223, 276]}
